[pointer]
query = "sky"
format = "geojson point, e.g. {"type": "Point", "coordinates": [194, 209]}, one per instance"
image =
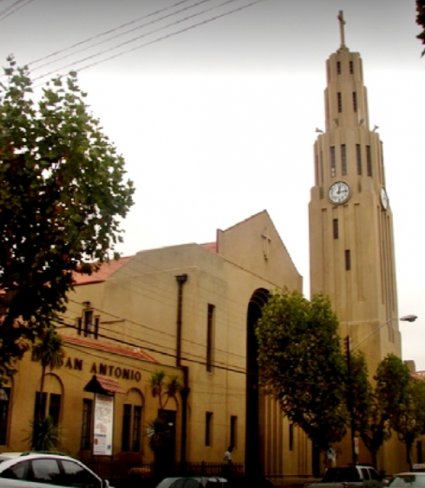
{"type": "Point", "coordinates": [214, 106]}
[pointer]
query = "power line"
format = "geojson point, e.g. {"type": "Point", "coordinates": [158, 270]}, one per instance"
{"type": "Point", "coordinates": [148, 343]}
{"type": "Point", "coordinates": [148, 43]}
{"type": "Point", "coordinates": [156, 351]}
{"type": "Point", "coordinates": [8, 11]}
{"type": "Point", "coordinates": [110, 31]}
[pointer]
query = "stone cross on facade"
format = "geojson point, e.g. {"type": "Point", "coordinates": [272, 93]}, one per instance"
{"type": "Point", "coordinates": [266, 245]}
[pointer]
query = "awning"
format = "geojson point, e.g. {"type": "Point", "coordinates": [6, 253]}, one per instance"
{"type": "Point", "coordinates": [103, 386]}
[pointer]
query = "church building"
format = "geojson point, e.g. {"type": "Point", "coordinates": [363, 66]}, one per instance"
{"type": "Point", "coordinates": [187, 313]}
{"type": "Point", "coordinates": [351, 228]}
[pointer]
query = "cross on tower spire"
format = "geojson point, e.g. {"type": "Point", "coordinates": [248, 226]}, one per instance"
{"type": "Point", "coordinates": [341, 27]}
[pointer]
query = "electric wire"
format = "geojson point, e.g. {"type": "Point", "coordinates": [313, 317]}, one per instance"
{"type": "Point", "coordinates": [173, 356]}
{"type": "Point", "coordinates": [146, 343]}
{"type": "Point", "coordinates": [112, 31]}
{"type": "Point", "coordinates": [197, 314]}
{"type": "Point", "coordinates": [148, 43]}
{"type": "Point", "coordinates": [15, 7]}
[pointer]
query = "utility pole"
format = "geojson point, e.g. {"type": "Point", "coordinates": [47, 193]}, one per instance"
{"type": "Point", "coordinates": [350, 398]}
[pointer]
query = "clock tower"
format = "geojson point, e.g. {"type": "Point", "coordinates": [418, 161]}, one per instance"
{"type": "Point", "coordinates": [351, 232]}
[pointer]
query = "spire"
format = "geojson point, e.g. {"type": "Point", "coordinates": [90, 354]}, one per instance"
{"type": "Point", "coordinates": [341, 27]}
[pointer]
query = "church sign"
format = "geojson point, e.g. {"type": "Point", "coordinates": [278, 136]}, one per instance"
{"type": "Point", "coordinates": [104, 369]}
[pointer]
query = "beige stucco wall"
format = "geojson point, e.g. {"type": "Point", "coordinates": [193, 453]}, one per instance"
{"type": "Point", "coordinates": [137, 306]}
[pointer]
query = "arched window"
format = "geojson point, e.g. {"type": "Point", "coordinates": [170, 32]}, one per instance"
{"type": "Point", "coordinates": [131, 434]}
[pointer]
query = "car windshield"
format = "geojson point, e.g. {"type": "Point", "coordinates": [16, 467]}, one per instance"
{"type": "Point", "coordinates": [408, 480]}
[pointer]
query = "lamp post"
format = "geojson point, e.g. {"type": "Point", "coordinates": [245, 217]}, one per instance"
{"type": "Point", "coordinates": [350, 399]}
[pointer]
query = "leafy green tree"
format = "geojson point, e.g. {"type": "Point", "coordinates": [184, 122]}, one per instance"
{"type": "Point", "coordinates": [392, 389]}
{"type": "Point", "coordinates": [408, 413]}
{"type": "Point", "coordinates": [62, 200]}
{"type": "Point", "coordinates": [420, 20]}
{"type": "Point", "coordinates": [302, 365]}
{"type": "Point", "coordinates": [48, 350]}
{"type": "Point", "coordinates": [45, 435]}
{"type": "Point", "coordinates": [371, 421]}
{"type": "Point", "coordinates": [163, 388]}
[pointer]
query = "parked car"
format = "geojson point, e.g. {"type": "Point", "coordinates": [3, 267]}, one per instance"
{"type": "Point", "coordinates": [193, 482]}
{"type": "Point", "coordinates": [408, 480]}
{"type": "Point", "coordinates": [45, 470]}
{"type": "Point", "coordinates": [353, 476]}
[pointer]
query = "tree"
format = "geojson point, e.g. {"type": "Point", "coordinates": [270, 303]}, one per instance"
{"type": "Point", "coordinates": [62, 199]}
{"type": "Point", "coordinates": [164, 389]}
{"type": "Point", "coordinates": [302, 365]}
{"type": "Point", "coordinates": [420, 20]}
{"type": "Point", "coordinates": [406, 401]}
{"type": "Point", "coordinates": [158, 430]}
{"type": "Point", "coordinates": [370, 418]}
{"type": "Point", "coordinates": [48, 350]}
{"type": "Point", "coordinates": [392, 387]}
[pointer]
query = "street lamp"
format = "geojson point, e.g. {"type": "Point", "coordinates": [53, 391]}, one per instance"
{"type": "Point", "coordinates": [348, 349]}
{"type": "Point", "coordinates": [409, 318]}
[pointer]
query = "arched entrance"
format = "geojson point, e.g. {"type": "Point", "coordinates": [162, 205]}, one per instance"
{"type": "Point", "coordinates": [253, 445]}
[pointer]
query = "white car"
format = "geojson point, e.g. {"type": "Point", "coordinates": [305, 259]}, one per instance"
{"type": "Point", "coordinates": [413, 479]}
{"type": "Point", "coordinates": [44, 470]}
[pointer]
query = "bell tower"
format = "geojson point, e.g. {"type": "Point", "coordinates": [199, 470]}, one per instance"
{"type": "Point", "coordinates": [350, 220]}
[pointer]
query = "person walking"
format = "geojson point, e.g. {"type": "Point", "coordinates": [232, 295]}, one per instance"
{"type": "Point", "coordinates": [228, 462]}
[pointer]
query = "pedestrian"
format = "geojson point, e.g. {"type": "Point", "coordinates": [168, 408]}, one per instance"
{"type": "Point", "coordinates": [227, 468]}
{"type": "Point", "coordinates": [228, 455]}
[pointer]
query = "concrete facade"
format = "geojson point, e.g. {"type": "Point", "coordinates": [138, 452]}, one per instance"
{"type": "Point", "coordinates": [184, 310]}
{"type": "Point", "coordinates": [350, 218]}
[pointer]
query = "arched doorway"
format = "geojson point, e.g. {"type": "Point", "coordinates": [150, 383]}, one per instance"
{"type": "Point", "coordinates": [253, 444]}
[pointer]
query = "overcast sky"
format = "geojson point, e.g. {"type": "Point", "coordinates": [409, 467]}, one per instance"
{"type": "Point", "coordinates": [214, 106]}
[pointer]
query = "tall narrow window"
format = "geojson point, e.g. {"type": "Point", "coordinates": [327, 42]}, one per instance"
{"type": "Point", "coordinates": [131, 427]}
{"type": "Point", "coordinates": [291, 437]}
{"type": "Point", "coordinates": [351, 65]}
{"type": "Point", "coordinates": [347, 260]}
{"type": "Point", "coordinates": [369, 160]}
{"type": "Point", "coordinates": [47, 404]}
{"type": "Point", "coordinates": [335, 228]}
{"type": "Point", "coordinates": [339, 100]}
{"type": "Point", "coordinates": [338, 67]}
{"type": "Point", "coordinates": [359, 159]}
{"type": "Point", "coordinates": [136, 431]}
{"type": "Point", "coordinates": [355, 101]}
{"type": "Point", "coordinates": [40, 405]}
{"type": "Point", "coordinates": [88, 324]}
{"type": "Point", "coordinates": [233, 430]}
{"type": "Point", "coordinates": [4, 413]}
{"type": "Point", "coordinates": [208, 428]}
{"type": "Point", "coordinates": [210, 336]}
{"type": "Point", "coordinates": [86, 424]}
{"type": "Point", "coordinates": [54, 407]}
{"type": "Point", "coordinates": [343, 159]}
{"type": "Point", "coordinates": [126, 426]}
{"type": "Point", "coordinates": [333, 161]}
{"type": "Point", "coordinates": [419, 452]}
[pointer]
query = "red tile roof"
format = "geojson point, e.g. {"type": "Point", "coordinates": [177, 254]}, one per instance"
{"type": "Point", "coordinates": [212, 246]}
{"type": "Point", "coordinates": [103, 385]}
{"type": "Point", "coordinates": [105, 271]}
{"type": "Point", "coordinates": [129, 352]}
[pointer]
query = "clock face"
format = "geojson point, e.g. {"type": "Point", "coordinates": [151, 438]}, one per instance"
{"type": "Point", "coordinates": [339, 192]}
{"type": "Point", "coordinates": [384, 198]}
